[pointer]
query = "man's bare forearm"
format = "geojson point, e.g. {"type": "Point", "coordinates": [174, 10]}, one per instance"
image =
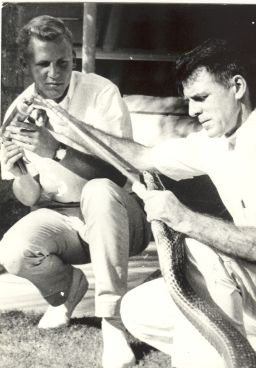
{"type": "Point", "coordinates": [238, 242]}
{"type": "Point", "coordinates": [134, 153]}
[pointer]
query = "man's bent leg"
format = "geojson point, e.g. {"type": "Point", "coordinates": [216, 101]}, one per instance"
{"type": "Point", "coordinates": [150, 314]}
{"type": "Point", "coordinates": [244, 273]}
{"type": "Point", "coordinates": [116, 226]}
{"type": "Point", "coordinates": [147, 312]}
{"type": "Point", "coordinates": [212, 279]}
{"type": "Point", "coordinates": [41, 248]}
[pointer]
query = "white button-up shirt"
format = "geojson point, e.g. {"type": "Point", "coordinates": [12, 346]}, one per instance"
{"type": "Point", "coordinates": [230, 163]}
{"type": "Point", "coordinates": [94, 100]}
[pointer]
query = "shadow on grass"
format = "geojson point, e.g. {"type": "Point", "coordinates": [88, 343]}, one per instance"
{"type": "Point", "coordinates": [87, 321]}
{"type": "Point", "coordinates": [146, 356]}
{"type": "Point", "coordinates": [140, 349]}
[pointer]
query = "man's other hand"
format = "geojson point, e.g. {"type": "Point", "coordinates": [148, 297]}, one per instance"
{"type": "Point", "coordinates": [162, 205]}
{"type": "Point", "coordinates": [10, 154]}
{"type": "Point", "coordinates": [33, 138]}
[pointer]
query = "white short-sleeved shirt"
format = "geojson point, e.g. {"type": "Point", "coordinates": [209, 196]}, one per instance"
{"type": "Point", "coordinates": [230, 163]}
{"type": "Point", "coordinates": [94, 100]}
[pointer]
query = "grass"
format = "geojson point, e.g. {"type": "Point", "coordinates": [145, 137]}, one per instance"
{"type": "Point", "coordinates": [23, 345]}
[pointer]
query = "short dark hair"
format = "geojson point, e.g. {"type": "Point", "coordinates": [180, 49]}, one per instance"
{"type": "Point", "coordinates": [220, 57]}
{"type": "Point", "coordinates": [45, 28]}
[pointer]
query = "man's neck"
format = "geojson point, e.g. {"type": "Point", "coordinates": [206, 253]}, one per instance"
{"type": "Point", "coordinates": [58, 100]}
{"type": "Point", "coordinates": [233, 130]}
{"type": "Point", "coordinates": [242, 117]}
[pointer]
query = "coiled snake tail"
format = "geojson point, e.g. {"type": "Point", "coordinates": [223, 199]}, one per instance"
{"type": "Point", "coordinates": [205, 316]}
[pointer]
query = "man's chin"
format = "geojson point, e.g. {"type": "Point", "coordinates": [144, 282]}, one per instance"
{"type": "Point", "coordinates": [212, 133]}
{"type": "Point", "coordinates": [56, 95]}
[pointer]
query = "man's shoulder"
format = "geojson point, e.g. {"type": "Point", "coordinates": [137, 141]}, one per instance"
{"type": "Point", "coordinates": [91, 79]}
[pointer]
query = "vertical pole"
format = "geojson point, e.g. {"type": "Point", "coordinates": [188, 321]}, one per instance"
{"type": "Point", "coordinates": [89, 37]}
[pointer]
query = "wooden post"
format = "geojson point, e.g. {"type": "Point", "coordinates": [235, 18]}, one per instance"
{"type": "Point", "coordinates": [113, 26]}
{"type": "Point", "coordinates": [89, 37]}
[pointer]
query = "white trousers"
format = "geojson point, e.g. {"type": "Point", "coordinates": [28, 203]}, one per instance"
{"type": "Point", "coordinates": [149, 313]}
{"type": "Point", "coordinates": [109, 226]}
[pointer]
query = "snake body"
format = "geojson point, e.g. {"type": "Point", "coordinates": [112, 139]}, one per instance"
{"type": "Point", "coordinates": [204, 315]}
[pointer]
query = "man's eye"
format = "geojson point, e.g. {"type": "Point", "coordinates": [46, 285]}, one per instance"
{"type": "Point", "coordinates": [63, 63]}
{"type": "Point", "coordinates": [43, 64]}
{"type": "Point", "coordinates": [199, 98]}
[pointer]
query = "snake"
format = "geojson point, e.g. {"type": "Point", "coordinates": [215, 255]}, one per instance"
{"type": "Point", "coordinates": [206, 316]}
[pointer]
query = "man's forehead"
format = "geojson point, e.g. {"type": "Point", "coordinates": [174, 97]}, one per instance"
{"type": "Point", "coordinates": [199, 81]}
{"type": "Point", "coordinates": [42, 48]}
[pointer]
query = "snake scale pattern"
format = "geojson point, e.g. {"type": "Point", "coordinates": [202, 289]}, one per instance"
{"type": "Point", "coordinates": [205, 316]}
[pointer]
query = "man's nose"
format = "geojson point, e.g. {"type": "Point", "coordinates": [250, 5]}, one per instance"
{"type": "Point", "coordinates": [53, 70]}
{"type": "Point", "coordinates": [194, 109]}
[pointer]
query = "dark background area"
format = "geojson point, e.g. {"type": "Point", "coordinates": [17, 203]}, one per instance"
{"type": "Point", "coordinates": [149, 38]}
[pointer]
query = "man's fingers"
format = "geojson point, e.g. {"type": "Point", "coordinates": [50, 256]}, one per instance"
{"type": "Point", "coordinates": [8, 143]}
{"type": "Point", "coordinates": [11, 154]}
{"type": "Point", "coordinates": [22, 128]}
{"type": "Point", "coordinates": [9, 147]}
{"type": "Point", "coordinates": [24, 144]}
{"type": "Point", "coordinates": [25, 136]}
{"type": "Point", "coordinates": [9, 163]}
{"type": "Point", "coordinates": [18, 138]}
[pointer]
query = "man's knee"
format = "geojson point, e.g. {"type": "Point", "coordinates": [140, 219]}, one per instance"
{"type": "Point", "coordinates": [101, 187]}
{"type": "Point", "coordinates": [100, 194]}
{"type": "Point", "coordinates": [13, 253]}
{"type": "Point", "coordinates": [24, 243]}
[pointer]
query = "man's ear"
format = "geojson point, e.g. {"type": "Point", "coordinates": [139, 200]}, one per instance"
{"type": "Point", "coordinates": [240, 86]}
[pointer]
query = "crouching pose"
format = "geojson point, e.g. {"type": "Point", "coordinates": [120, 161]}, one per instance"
{"type": "Point", "coordinates": [219, 86]}
{"type": "Point", "coordinates": [80, 211]}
